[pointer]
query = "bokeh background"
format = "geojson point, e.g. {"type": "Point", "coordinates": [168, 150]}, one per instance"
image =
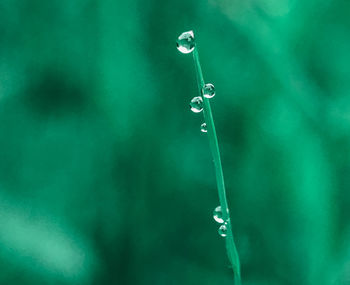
{"type": "Point", "coordinates": [105, 177]}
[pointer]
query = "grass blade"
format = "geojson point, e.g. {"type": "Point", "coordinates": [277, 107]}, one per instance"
{"type": "Point", "coordinates": [214, 146]}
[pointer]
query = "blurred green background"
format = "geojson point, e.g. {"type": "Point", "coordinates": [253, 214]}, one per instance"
{"type": "Point", "coordinates": [105, 177]}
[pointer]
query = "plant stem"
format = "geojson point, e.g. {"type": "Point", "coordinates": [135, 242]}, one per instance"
{"type": "Point", "coordinates": [214, 146]}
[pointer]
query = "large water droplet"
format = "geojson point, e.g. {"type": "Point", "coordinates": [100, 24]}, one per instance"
{"type": "Point", "coordinates": [196, 104]}
{"type": "Point", "coordinates": [217, 215]}
{"type": "Point", "coordinates": [223, 230]}
{"type": "Point", "coordinates": [204, 128]}
{"type": "Point", "coordinates": [208, 90]}
{"type": "Point", "coordinates": [185, 42]}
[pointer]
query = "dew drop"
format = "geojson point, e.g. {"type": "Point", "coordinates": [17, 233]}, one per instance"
{"type": "Point", "coordinates": [196, 104]}
{"type": "Point", "coordinates": [208, 90]}
{"type": "Point", "coordinates": [204, 128]}
{"type": "Point", "coordinates": [223, 230]}
{"type": "Point", "coordinates": [217, 215]}
{"type": "Point", "coordinates": [185, 42]}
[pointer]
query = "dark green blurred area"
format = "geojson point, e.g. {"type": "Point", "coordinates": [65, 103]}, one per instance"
{"type": "Point", "coordinates": [105, 177]}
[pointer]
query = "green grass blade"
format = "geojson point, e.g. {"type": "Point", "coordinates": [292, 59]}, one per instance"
{"type": "Point", "coordinates": [214, 146]}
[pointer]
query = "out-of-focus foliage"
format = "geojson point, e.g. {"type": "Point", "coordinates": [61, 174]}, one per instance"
{"type": "Point", "coordinates": [105, 177]}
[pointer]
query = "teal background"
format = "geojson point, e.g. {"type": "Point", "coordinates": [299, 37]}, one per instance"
{"type": "Point", "coordinates": [105, 177]}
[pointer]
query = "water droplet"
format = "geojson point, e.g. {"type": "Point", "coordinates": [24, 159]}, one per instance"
{"type": "Point", "coordinates": [208, 90]}
{"type": "Point", "coordinates": [223, 230]}
{"type": "Point", "coordinates": [204, 128]}
{"type": "Point", "coordinates": [196, 104]}
{"type": "Point", "coordinates": [185, 42]}
{"type": "Point", "coordinates": [217, 215]}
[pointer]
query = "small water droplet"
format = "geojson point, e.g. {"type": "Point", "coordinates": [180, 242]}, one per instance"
{"type": "Point", "coordinates": [208, 90]}
{"type": "Point", "coordinates": [196, 104]}
{"type": "Point", "coordinates": [217, 215]}
{"type": "Point", "coordinates": [223, 230]}
{"type": "Point", "coordinates": [185, 42]}
{"type": "Point", "coordinates": [204, 128]}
